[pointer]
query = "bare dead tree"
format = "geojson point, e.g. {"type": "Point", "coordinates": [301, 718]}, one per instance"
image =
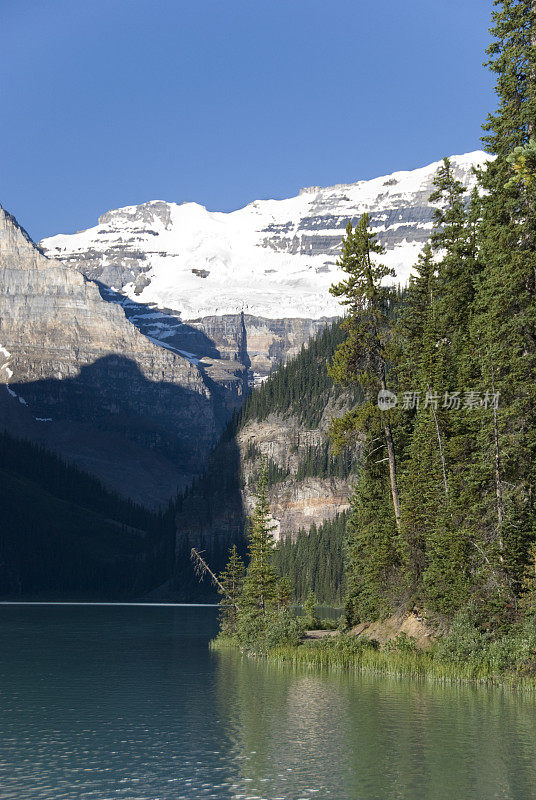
{"type": "Point", "coordinates": [201, 568]}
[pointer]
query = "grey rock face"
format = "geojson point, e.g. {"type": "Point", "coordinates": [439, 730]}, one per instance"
{"type": "Point", "coordinates": [126, 262]}
{"type": "Point", "coordinates": [232, 349]}
{"type": "Point", "coordinates": [294, 503]}
{"type": "Point", "coordinates": [401, 224]}
{"type": "Point", "coordinates": [273, 261]}
{"type": "Point", "coordinates": [257, 342]}
{"type": "Point", "coordinates": [140, 217]}
{"type": "Point", "coordinates": [78, 377]}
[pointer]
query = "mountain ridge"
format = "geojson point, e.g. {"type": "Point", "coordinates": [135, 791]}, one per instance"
{"type": "Point", "coordinates": [79, 378]}
{"type": "Point", "coordinates": [252, 285]}
{"type": "Point", "coordinates": [271, 258]}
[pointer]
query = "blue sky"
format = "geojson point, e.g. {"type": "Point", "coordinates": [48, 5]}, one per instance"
{"type": "Point", "coordinates": [106, 103]}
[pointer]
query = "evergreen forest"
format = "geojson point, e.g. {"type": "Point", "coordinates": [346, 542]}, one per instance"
{"type": "Point", "coordinates": [442, 522]}
{"type": "Point", "coordinates": [443, 515]}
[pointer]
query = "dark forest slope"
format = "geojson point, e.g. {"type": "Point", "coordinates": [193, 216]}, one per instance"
{"type": "Point", "coordinates": [62, 534]}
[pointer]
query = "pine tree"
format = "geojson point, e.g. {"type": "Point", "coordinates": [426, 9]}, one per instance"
{"type": "Point", "coordinates": [260, 586]}
{"type": "Point", "coordinates": [457, 266]}
{"type": "Point", "coordinates": [362, 356]}
{"type": "Point", "coordinates": [416, 329]}
{"type": "Point", "coordinates": [231, 580]}
{"type": "Point", "coordinates": [372, 578]}
{"type": "Point", "coordinates": [441, 298]}
{"type": "Point", "coordinates": [504, 324]}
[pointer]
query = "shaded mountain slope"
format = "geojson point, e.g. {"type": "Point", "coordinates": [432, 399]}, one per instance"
{"type": "Point", "coordinates": [80, 378]}
{"type": "Point", "coordinates": [63, 535]}
{"type": "Point", "coordinates": [285, 420]}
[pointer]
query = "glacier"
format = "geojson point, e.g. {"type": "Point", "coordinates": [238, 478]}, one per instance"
{"type": "Point", "coordinates": [272, 259]}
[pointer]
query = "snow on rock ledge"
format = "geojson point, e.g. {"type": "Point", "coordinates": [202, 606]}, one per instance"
{"type": "Point", "coordinates": [272, 258]}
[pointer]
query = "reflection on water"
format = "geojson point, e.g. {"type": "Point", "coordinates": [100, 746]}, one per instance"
{"type": "Point", "coordinates": [129, 703]}
{"type": "Point", "coordinates": [365, 737]}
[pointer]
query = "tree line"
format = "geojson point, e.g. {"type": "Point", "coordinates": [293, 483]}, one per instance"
{"type": "Point", "coordinates": [313, 561]}
{"type": "Point", "coordinates": [443, 516]}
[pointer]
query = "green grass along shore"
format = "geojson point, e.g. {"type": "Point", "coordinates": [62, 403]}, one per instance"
{"type": "Point", "coordinates": [400, 658]}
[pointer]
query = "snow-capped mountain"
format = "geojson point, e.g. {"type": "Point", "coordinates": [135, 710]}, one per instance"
{"type": "Point", "coordinates": [252, 285]}
{"type": "Point", "coordinates": [219, 298]}
{"type": "Point", "coordinates": [273, 258]}
{"type": "Point", "coordinates": [77, 378]}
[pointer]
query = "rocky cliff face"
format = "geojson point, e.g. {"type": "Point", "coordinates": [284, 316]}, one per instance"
{"type": "Point", "coordinates": [79, 378]}
{"type": "Point", "coordinates": [294, 502]}
{"type": "Point", "coordinates": [251, 285]}
{"type": "Point", "coordinates": [285, 422]}
{"type": "Point", "coordinates": [222, 344]}
{"type": "Point", "coordinates": [214, 514]}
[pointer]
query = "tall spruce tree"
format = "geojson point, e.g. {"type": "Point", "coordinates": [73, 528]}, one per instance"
{"type": "Point", "coordinates": [454, 243]}
{"type": "Point", "coordinates": [362, 359]}
{"type": "Point", "coordinates": [231, 582]}
{"type": "Point", "coordinates": [371, 559]}
{"type": "Point", "coordinates": [423, 492]}
{"type": "Point", "coordinates": [416, 333]}
{"type": "Point", "coordinates": [504, 324]}
{"type": "Point", "coordinates": [452, 426]}
{"type": "Point", "coordinates": [362, 356]}
{"type": "Point", "coordinates": [259, 589]}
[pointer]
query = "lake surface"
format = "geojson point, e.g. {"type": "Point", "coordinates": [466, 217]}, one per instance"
{"type": "Point", "coordinates": [128, 702]}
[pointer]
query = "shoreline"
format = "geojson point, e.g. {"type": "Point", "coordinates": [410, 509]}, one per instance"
{"type": "Point", "coordinates": [103, 603]}
{"type": "Point", "coordinates": [414, 664]}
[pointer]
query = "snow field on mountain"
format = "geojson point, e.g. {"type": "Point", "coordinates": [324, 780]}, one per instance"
{"type": "Point", "coordinates": [272, 258]}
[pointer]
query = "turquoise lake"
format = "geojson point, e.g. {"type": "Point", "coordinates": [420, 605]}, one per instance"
{"type": "Point", "coordinates": [102, 702]}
